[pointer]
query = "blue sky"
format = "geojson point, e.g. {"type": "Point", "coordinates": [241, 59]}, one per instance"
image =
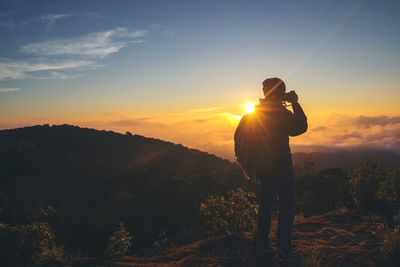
{"type": "Point", "coordinates": [74, 61]}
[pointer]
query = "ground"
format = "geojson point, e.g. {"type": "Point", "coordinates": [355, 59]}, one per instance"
{"type": "Point", "coordinates": [340, 238]}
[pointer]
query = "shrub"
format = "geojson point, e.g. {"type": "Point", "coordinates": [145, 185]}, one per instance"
{"type": "Point", "coordinates": [391, 247]}
{"type": "Point", "coordinates": [324, 192]}
{"type": "Point", "coordinates": [235, 214]}
{"type": "Point", "coordinates": [119, 242]}
{"type": "Point", "coordinates": [28, 244]}
{"type": "Point", "coordinates": [389, 189]}
{"type": "Point", "coordinates": [364, 183]}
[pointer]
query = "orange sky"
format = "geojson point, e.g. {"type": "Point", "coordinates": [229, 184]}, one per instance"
{"type": "Point", "coordinates": [211, 129]}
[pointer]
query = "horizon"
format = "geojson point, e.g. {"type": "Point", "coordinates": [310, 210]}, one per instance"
{"type": "Point", "coordinates": [321, 149]}
{"type": "Point", "coordinates": [183, 72]}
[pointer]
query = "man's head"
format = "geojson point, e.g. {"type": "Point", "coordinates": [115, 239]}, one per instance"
{"type": "Point", "coordinates": [274, 89]}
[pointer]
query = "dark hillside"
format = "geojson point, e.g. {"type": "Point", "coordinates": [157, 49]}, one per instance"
{"type": "Point", "coordinates": [84, 182]}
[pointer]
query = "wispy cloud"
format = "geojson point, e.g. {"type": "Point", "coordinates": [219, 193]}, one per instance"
{"type": "Point", "coordinates": [99, 44]}
{"type": "Point", "coordinates": [205, 109]}
{"type": "Point", "coordinates": [51, 19]}
{"type": "Point", "coordinates": [84, 51]}
{"type": "Point", "coordinates": [57, 75]}
{"type": "Point", "coordinates": [21, 69]}
{"type": "Point", "coordinates": [62, 76]}
{"type": "Point", "coordinates": [164, 30]}
{"type": "Point", "coordinates": [3, 90]}
{"type": "Point", "coordinates": [208, 129]}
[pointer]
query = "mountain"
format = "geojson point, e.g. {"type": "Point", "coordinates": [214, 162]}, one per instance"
{"type": "Point", "coordinates": [347, 159]}
{"type": "Point", "coordinates": [84, 182]}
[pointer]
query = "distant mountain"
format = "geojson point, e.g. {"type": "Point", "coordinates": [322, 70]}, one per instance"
{"type": "Point", "coordinates": [347, 159]}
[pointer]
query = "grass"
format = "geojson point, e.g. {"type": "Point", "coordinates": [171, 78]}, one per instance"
{"type": "Point", "coordinates": [315, 259]}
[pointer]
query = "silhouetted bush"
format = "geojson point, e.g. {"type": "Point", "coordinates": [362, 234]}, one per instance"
{"type": "Point", "coordinates": [364, 182]}
{"type": "Point", "coordinates": [324, 192]}
{"type": "Point", "coordinates": [119, 242]}
{"type": "Point", "coordinates": [234, 214]}
{"type": "Point", "coordinates": [389, 189]}
{"type": "Point", "coordinates": [28, 244]}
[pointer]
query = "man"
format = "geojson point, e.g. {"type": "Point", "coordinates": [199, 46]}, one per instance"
{"type": "Point", "coordinates": [262, 149]}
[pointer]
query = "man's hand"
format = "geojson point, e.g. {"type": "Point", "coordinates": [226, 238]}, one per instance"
{"type": "Point", "coordinates": [292, 97]}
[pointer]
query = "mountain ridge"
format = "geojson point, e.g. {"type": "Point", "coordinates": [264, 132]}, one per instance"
{"type": "Point", "coordinates": [345, 158]}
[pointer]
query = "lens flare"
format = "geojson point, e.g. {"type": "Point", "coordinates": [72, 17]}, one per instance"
{"type": "Point", "coordinates": [249, 107]}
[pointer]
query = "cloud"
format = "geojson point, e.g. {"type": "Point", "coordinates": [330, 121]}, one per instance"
{"type": "Point", "coordinates": [353, 131]}
{"type": "Point", "coordinates": [370, 121]}
{"type": "Point", "coordinates": [201, 110]}
{"type": "Point", "coordinates": [57, 75]}
{"type": "Point", "coordinates": [319, 129]}
{"type": "Point", "coordinates": [83, 50]}
{"type": "Point", "coordinates": [164, 30]}
{"type": "Point", "coordinates": [62, 76]}
{"type": "Point", "coordinates": [20, 69]}
{"type": "Point", "coordinates": [51, 19]}
{"type": "Point", "coordinates": [98, 44]}
{"type": "Point", "coordinates": [138, 122]}
{"type": "Point", "coordinates": [208, 129]}
{"type": "Point", "coordinates": [212, 130]}
{"type": "Point", "coordinates": [340, 138]}
{"type": "Point", "coordinates": [3, 90]}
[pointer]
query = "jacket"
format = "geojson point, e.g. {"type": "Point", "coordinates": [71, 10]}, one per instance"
{"type": "Point", "coordinates": [265, 134]}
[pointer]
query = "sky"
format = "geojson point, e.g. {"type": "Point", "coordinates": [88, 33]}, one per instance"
{"type": "Point", "coordinates": [182, 71]}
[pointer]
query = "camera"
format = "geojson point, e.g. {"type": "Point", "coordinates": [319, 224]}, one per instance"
{"type": "Point", "coordinates": [290, 97]}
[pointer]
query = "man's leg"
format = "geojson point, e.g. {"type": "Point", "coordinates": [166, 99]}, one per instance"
{"type": "Point", "coordinates": [287, 206]}
{"type": "Point", "coordinates": [265, 199]}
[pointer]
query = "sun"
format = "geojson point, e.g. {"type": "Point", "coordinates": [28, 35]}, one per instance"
{"type": "Point", "coordinates": [249, 107]}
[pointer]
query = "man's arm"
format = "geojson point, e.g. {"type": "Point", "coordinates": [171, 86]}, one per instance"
{"type": "Point", "coordinates": [297, 119]}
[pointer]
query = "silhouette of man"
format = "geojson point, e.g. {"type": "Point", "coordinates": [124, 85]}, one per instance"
{"type": "Point", "coordinates": [268, 158]}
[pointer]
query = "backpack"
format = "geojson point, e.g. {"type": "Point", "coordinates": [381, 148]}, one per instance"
{"type": "Point", "coordinates": [250, 150]}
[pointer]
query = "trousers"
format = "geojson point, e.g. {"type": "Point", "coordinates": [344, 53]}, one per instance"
{"type": "Point", "coordinates": [277, 181]}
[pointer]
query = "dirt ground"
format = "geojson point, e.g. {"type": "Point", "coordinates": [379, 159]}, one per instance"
{"type": "Point", "coordinates": [335, 239]}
